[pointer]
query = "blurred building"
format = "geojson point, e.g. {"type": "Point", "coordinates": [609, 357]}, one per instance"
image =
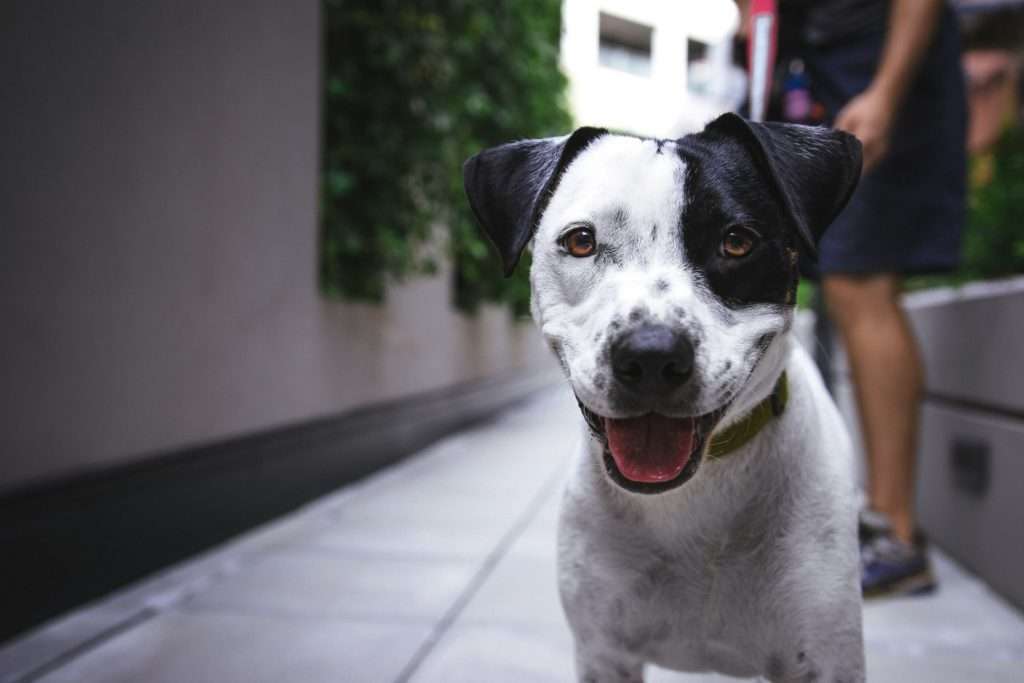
{"type": "Point", "coordinates": [650, 67]}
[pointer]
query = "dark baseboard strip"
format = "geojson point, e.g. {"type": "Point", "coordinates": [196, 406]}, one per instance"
{"type": "Point", "coordinates": [969, 405]}
{"type": "Point", "coordinates": [70, 541]}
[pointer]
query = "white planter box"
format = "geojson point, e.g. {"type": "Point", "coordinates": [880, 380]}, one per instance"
{"type": "Point", "coordinates": [970, 494]}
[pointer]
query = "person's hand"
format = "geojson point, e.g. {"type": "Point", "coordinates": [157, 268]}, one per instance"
{"type": "Point", "coordinates": [869, 117]}
{"type": "Point", "coordinates": [743, 29]}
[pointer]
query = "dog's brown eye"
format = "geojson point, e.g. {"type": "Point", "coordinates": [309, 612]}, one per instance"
{"type": "Point", "coordinates": [580, 242]}
{"type": "Point", "coordinates": [738, 242]}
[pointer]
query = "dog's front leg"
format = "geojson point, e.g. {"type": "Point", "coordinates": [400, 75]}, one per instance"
{"type": "Point", "coordinates": [607, 667]}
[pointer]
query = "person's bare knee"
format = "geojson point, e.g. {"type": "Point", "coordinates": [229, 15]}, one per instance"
{"type": "Point", "coordinates": [855, 298]}
{"type": "Point", "coordinates": [870, 316]}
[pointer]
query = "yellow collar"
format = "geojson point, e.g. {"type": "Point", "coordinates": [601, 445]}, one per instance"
{"type": "Point", "coordinates": [741, 433]}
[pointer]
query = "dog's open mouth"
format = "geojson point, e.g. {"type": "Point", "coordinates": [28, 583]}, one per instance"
{"type": "Point", "coordinates": [652, 453]}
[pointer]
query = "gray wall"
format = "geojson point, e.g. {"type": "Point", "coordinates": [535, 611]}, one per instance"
{"type": "Point", "coordinates": [158, 241]}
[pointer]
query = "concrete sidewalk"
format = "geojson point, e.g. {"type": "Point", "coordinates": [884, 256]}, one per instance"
{"type": "Point", "coordinates": [440, 569]}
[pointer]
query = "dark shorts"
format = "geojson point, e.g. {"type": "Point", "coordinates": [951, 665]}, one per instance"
{"type": "Point", "coordinates": [908, 213]}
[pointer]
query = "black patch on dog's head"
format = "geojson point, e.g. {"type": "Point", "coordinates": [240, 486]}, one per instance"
{"type": "Point", "coordinates": [787, 183]}
{"type": "Point", "coordinates": [509, 187]}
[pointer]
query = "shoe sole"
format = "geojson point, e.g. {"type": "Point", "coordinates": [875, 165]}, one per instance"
{"type": "Point", "coordinates": [918, 584]}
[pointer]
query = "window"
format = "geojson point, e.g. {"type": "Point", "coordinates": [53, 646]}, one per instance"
{"type": "Point", "coordinates": [695, 50]}
{"type": "Point", "coordinates": [701, 74]}
{"type": "Point", "coordinates": [624, 45]}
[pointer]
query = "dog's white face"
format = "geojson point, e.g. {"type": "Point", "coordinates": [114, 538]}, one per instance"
{"type": "Point", "coordinates": [630, 194]}
{"type": "Point", "coordinates": [662, 270]}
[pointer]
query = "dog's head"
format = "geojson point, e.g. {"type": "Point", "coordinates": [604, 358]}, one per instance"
{"type": "Point", "coordinates": [664, 271]}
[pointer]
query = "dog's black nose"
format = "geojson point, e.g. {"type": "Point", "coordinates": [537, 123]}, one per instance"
{"type": "Point", "coordinates": [652, 359]}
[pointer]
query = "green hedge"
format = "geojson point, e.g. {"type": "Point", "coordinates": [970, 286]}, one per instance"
{"type": "Point", "coordinates": [994, 241]}
{"type": "Point", "coordinates": [411, 90]}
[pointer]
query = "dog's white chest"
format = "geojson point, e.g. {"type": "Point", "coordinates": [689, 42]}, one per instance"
{"type": "Point", "coordinates": [683, 605]}
{"type": "Point", "coordinates": [750, 571]}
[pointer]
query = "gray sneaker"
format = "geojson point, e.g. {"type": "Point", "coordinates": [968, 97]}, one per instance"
{"type": "Point", "coordinates": [890, 567]}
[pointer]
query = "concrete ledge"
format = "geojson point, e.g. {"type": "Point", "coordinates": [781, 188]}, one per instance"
{"type": "Point", "coordinates": [972, 338]}
{"type": "Point", "coordinates": [72, 540]}
{"type": "Point", "coordinates": [969, 472]}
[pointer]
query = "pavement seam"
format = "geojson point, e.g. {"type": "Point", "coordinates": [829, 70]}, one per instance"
{"type": "Point", "coordinates": [83, 647]}
{"type": "Point", "coordinates": [180, 594]}
{"type": "Point", "coordinates": [477, 581]}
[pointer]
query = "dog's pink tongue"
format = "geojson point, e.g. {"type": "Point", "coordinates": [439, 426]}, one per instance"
{"type": "Point", "coordinates": [651, 448]}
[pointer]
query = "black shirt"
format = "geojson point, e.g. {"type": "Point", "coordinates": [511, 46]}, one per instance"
{"type": "Point", "coordinates": [829, 22]}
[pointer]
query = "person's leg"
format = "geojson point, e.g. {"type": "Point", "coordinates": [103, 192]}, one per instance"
{"type": "Point", "coordinates": [888, 378]}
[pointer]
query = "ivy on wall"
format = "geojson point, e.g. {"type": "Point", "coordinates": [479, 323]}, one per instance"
{"type": "Point", "coordinates": [411, 90]}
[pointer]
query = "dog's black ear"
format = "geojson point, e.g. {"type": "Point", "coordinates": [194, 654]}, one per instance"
{"type": "Point", "coordinates": [509, 187]}
{"type": "Point", "coordinates": [814, 170]}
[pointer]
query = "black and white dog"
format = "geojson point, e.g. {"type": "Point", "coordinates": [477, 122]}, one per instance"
{"type": "Point", "coordinates": [709, 520]}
